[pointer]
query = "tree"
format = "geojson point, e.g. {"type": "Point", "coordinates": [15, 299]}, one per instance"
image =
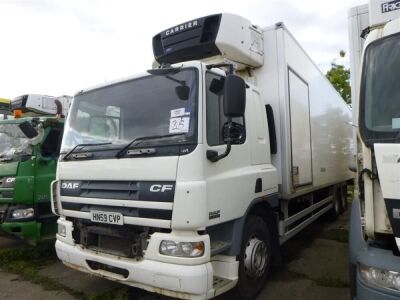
{"type": "Point", "coordinates": [339, 76]}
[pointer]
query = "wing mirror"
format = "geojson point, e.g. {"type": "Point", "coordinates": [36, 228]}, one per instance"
{"type": "Point", "coordinates": [234, 106]}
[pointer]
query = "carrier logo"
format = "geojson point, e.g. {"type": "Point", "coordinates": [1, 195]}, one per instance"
{"type": "Point", "coordinates": [390, 6]}
{"type": "Point", "coordinates": [156, 188]}
{"type": "Point", "coordinates": [182, 27]}
{"type": "Point", "coordinates": [70, 185]}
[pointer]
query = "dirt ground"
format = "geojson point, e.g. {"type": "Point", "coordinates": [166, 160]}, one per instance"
{"type": "Point", "coordinates": [314, 267]}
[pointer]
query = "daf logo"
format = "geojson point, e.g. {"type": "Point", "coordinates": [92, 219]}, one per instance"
{"type": "Point", "coordinates": [156, 188]}
{"type": "Point", "coordinates": [181, 27]}
{"type": "Point", "coordinates": [10, 180]}
{"type": "Point", "coordinates": [70, 185]}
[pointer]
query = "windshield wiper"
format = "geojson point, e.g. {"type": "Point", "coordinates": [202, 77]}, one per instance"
{"type": "Point", "coordinates": [143, 138]}
{"type": "Point", "coordinates": [82, 145]}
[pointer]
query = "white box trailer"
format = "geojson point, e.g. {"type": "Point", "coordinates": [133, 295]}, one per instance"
{"type": "Point", "coordinates": [206, 172]}
{"type": "Point", "coordinates": [312, 121]}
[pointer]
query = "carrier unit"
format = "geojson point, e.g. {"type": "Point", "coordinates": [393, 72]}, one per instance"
{"type": "Point", "coordinates": [375, 220]}
{"type": "Point", "coordinates": [186, 179]}
{"type": "Point", "coordinates": [29, 147]}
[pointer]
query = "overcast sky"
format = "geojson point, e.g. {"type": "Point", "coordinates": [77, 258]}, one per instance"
{"type": "Point", "coordinates": [58, 47]}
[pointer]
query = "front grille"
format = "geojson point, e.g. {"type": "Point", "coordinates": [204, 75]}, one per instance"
{"type": "Point", "coordinates": [120, 190]}
{"type": "Point", "coordinates": [146, 203]}
{"type": "Point", "coordinates": [126, 241]}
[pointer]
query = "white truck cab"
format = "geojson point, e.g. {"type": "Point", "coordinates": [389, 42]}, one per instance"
{"type": "Point", "coordinates": [375, 223]}
{"type": "Point", "coordinates": [186, 179]}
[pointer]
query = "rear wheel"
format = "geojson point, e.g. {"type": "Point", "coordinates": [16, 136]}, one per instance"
{"type": "Point", "coordinates": [255, 259]}
{"type": "Point", "coordinates": [337, 204]}
{"type": "Point", "coordinates": [344, 197]}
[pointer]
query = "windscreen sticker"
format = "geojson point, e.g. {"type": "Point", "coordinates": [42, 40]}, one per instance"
{"type": "Point", "coordinates": [179, 112]}
{"type": "Point", "coordinates": [179, 124]}
{"type": "Point", "coordinates": [395, 123]}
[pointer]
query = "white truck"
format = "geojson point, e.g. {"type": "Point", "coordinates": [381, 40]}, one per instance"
{"type": "Point", "coordinates": [185, 180]}
{"type": "Point", "coordinates": [375, 220]}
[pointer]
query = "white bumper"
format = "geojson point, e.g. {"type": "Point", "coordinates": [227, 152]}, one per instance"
{"type": "Point", "coordinates": [185, 282]}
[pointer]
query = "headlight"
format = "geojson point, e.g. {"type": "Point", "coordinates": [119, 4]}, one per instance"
{"type": "Point", "coordinates": [379, 277]}
{"type": "Point", "coordinates": [182, 249]}
{"type": "Point", "coordinates": [62, 230]}
{"type": "Point", "coordinates": [25, 213]}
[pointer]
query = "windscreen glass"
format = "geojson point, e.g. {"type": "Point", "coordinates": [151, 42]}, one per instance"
{"type": "Point", "coordinates": [154, 105]}
{"type": "Point", "coordinates": [14, 145]}
{"type": "Point", "coordinates": [380, 96]}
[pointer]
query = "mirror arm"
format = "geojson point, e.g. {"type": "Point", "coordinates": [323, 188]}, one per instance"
{"type": "Point", "coordinates": [212, 155]}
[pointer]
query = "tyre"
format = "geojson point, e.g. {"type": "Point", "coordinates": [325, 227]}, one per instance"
{"type": "Point", "coordinates": [336, 209]}
{"type": "Point", "coordinates": [255, 259]}
{"type": "Point", "coordinates": [344, 198]}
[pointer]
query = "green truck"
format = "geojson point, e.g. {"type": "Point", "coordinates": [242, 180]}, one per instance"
{"type": "Point", "coordinates": [29, 147]}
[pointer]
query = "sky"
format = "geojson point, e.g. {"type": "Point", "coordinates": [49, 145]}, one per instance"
{"type": "Point", "coordinates": [58, 47]}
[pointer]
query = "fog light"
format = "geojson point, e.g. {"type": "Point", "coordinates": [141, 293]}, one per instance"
{"type": "Point", "coordinates": [62, 230]}
{"type": "Point", "coordinates": [182, 249]}
{"type": "Point", "coordinates": [380, 277]}
{"type": "Point", "coordinates": [26, 213]}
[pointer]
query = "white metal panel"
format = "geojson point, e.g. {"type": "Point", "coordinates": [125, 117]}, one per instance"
{"type": "Point", "coordinates": [358, 21]}
{"type": "Point", "coordinates": [300, 131]}
{"type": "Point", "coordinates": [331, 130]}
{"type": "Point", "coordinates": [383, 11]}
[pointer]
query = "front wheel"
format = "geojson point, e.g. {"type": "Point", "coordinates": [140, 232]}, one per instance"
{"type": "Point", "coordinates": [255, 258]}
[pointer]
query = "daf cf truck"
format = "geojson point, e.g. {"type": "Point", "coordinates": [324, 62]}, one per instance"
{"type": "Point", "coordinates": [4, 108]}
{"type": "Point", "coordinates": [186, 179]}
{"type": "Point", "coordinates": [29, 147]}
{"type": "Point", "coordinates": [375, 220]}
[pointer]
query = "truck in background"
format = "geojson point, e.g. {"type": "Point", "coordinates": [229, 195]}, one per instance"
{"type": "Point", "coordinates": [374, 242]}
{"type": "Point", "coordinates": [29, 148]}
{"type": "Point", "coordinates": [5, 111]}
{"type": "Point", "coordinates": [185, 180]}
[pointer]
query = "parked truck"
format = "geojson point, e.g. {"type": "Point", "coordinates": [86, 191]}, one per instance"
{"type": "Point", "coordinates": [374, 228]}
{"type": "Point", "coordinates": [186, 179]}
{"type": "Point", "coordinates": [29, 147]}
{"type": "Point", "coordinates": [4, 108]}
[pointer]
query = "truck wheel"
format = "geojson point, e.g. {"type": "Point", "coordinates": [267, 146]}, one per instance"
{"type": "Point", "coordinates": [255, 259]}
{"type": "Point", "coordinates": [344, 198]}
{"type": "Point", "coordinates": [336, 209]}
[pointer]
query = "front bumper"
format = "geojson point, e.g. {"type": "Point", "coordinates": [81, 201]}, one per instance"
{"type": "Point", "coordinates": [180, 281]}
{"type": "Point", "coordinates": [360, 252]}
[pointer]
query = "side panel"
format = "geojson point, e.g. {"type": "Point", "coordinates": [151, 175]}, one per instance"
{"type": "Point", "coordinates": [358, 21]}
{"type": "Point", "coordinates": [300, 130]}
{"type": "Point", "coordinates": [330, 120]}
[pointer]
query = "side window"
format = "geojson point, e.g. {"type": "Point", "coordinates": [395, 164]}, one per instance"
{"type": "Point", "coordinates": [216, 120]}
{"type": "Point", "coordinates": [51, 145]}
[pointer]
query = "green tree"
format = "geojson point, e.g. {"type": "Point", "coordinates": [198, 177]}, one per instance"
{"type": "Point", "coordinates": [339, 76]}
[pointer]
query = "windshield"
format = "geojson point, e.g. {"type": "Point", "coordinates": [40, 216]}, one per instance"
{"type": "Point", "coordinates": [380, 91]}
{"type": "Point", "coordinates": [154, 105]}
{"type": "Point", "coordinates": [14, 145]}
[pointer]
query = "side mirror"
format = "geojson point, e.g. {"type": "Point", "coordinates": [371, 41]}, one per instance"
{"type": "Point", "coordinates": [183, 92]}
{"type": "Point", "coordinates": [28, 129]}
{"type": "Point", "coordinates": [234, 96]}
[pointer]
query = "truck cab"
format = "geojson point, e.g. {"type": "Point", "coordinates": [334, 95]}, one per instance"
{"type": "Point", "coordinates": [29, 150]}
{"type": "Point", "coordinates": [184, 180]}
{"type": "Point", "coordinates": [374, 230]}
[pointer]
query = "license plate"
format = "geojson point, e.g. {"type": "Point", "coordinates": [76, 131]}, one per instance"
{"type": "Point", "coordinates": [107, 217]}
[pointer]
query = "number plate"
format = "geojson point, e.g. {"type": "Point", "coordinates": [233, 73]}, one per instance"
{"type": "Point", "coordinates": [107, 217]}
